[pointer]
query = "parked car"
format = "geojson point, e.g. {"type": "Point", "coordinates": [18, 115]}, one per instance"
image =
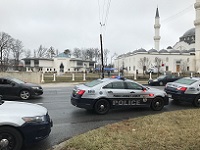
{"type": "Point", "coordinates": [186, 89]}
{"type": "Point", "coordinates": [154, 70]}
{"type": "Point", "coordinates": [22, 123]}
{"type": "Point", "coordinates": [14, 87]}
{"type": "Point", "coordinates": [101, 95]}
{"type": "Point", "coordinates": [163, 80]}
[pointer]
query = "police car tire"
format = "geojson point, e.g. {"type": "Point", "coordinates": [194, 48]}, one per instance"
{"type": "Point", "coordinates": [196, 101]}
{"type": "Point", "coordinates": [157, 104]}
{"type": "Point", "coordinates": [104, 103]}
{"type": "Point", "coordinates": [13, 136]}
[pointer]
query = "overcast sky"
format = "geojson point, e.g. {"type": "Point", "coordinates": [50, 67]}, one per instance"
{"type": "Point", "coordinates": [66, 24]}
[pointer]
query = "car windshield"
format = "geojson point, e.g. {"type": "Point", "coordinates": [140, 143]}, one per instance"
{"type": "Point", "coordinates": [17, 80]}
{"type": "Point", "coordinates": [186, 81]}
{"type": "Point", "coordinates": [93, 83]}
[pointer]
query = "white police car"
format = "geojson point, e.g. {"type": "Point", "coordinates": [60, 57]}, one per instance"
{"type": "Point", "coordinates": [22, 123]}
{"type": "Point", "coordinates": [103, 94]}
{"type": "Point", "coordinates": [186, 89]}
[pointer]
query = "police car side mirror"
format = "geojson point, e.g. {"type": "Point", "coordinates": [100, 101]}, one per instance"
{"type": "Point", "coordinates": [144, 89]}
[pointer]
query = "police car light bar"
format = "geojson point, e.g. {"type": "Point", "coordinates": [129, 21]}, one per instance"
{"type": "Point", "coordinates": [118, 77]}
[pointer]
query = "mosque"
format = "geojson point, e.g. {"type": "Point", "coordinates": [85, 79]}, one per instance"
{"type": "Point", "coordinates": [183, 57]}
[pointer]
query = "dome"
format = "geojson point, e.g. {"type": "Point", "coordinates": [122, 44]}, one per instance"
{"type": "Point", "coordinates": [163, 51]}
{"type": "Point", "coordinates": [190, 32]}
{"type": "Point", "coordinates": [153, 51]}
{"type": "Point", "coordinates": [141, 50]}
{"type": "Point", "coordinates": [169, 47]}
{"type": "Point", "coordinates": [64, 55]}
{"type": "Point", "coordinates": [188, 36]}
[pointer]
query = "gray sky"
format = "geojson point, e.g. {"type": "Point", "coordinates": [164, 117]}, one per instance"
{"type": "Point", "coordinates": [66, 24]}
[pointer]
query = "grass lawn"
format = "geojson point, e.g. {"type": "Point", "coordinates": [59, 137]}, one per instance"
{"type": "Point", "coordinates": [176, 130]}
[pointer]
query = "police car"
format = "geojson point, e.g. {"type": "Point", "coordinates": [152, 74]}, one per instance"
{"type": "Point", "coordinates": [101, 95]}
{"type": "Point", "coordinates": [186, 89]}
{"type": "Point", "coordinates": [22, 123]}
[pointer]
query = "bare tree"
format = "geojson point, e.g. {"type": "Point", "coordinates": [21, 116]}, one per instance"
{"type": "Point", "coordinates": [158, 63]}
{"type": "Point", "coordinates": [90, 53]}
{"type": "Point", "coordinates": [27, 53]}
{"type": "Point", "coordinates": [84, 54]}
{"type": "Point", "coordinates": [5, 45]}
{"type": "Point", "coordinates": [105, 56]}
{"type": "Point", "coordinates": [183, 66]}
{"type": "Point", "coordinates": [41, 52]}
{"type": "Point", "coordinates": [17, 51]}
{"type": "Point", "coordinates": [77, 53]}
{"type": "Point", "coordinates": [51, 52]}
{"type": "Point", "coordinates": [144, 63]}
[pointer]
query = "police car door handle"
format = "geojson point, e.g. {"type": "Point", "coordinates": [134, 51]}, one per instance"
{"type": "Point", "coordinates": [110, 91]}
{"type": "Point", "coordinates": [132, 92]}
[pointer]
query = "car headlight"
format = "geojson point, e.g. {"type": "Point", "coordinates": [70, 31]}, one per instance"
{"type": "Point", "coordinates": [155, 80]}
{"type": "Point", "coordinates": [37, 119]}
{"type": "Point", "coordinates": [36, 87]}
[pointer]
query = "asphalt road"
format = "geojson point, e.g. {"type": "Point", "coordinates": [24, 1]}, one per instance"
{"type": "Point", "coordinates": [69, 121]}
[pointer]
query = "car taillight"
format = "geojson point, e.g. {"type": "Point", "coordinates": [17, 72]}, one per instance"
{"type": "Point", "coordinates": [151, 94]}
{"type": "Point", "coordinates": [182, 89]}
{"type": "Point", "coordinates": [81, 92]}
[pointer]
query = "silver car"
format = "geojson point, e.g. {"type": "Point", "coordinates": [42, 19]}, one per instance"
{"type": "Point", "coordinates": [186, 89]}
{"type": "Point", "coordinates": [101, 95]}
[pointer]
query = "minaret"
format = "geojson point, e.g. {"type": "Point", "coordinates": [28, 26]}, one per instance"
{"type": "Point", "coordinates": [157, 31]}
{"type": "Point", "coordinates": [197, 35]}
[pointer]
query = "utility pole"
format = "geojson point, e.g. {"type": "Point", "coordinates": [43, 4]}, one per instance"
{"type": "Point", "coordinates": [102, 64]}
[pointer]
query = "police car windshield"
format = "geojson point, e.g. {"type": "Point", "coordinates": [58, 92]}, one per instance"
{"type": "Point", "coordinates": [186, 81]}
{"type": "Point", "coordinates": [93, 83]}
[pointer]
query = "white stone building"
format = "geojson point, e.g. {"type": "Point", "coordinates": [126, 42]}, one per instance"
{"type": "Point", "coordinates": [61, 64]}
{"type": "Point", "coordinates": [183, 56]}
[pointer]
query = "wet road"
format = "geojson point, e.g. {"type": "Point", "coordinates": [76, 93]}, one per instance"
{"type": "Point", "coordinates": [70, 121]}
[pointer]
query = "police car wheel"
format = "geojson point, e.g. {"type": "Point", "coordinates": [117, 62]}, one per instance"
{"type": "Point", "coordinates": [157, 104]}
{"type": "Point", "coordinates": [196, 101]}
{"type": "Point", "coordinates": [102, 106]}
{"type": "Point", "coordinates": [10, 139]}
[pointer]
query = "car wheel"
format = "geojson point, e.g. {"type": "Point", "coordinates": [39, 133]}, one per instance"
{"type": "Point", "coordinates": [161, 83]}
{"type": "Point", "coordinates": [157, 104]}
{"type": "Point", "coordinates": [102, 106]}
{"type": "Point", "coordinates": [196, 101]}
{"type": "Point", "coordinates": [24, 94]}
{"type": "Point", "coordinates": [10, 139]}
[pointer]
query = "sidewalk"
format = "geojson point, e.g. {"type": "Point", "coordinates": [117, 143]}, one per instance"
{"type": "Point", "coordinates": [61, 84]}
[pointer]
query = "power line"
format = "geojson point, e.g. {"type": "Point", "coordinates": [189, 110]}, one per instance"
{"type": "Point", "coordinates": [182, 12]}
{"type": "Point", "coordinates": [104, 12]}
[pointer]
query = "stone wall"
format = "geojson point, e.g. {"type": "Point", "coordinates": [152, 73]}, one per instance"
{"type": "Point", "coordinates": [33, 77]}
